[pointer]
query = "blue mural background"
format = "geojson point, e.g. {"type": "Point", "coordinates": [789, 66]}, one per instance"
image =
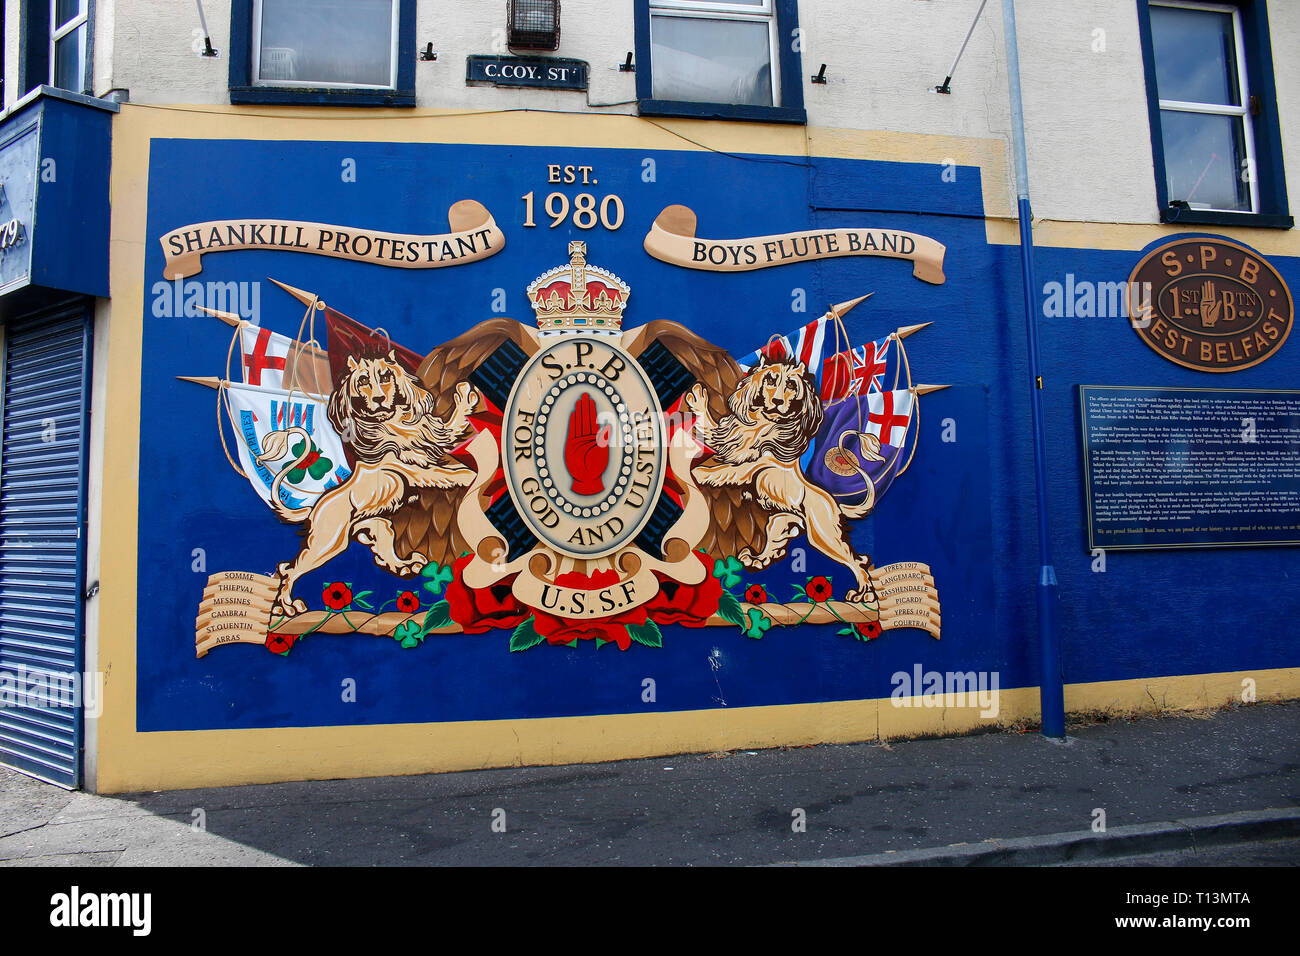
{"type": "Point", "coordinates": [965, 507]}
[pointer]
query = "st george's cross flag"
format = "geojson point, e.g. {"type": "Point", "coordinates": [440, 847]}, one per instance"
{"type": "Point", "coordinates": [265, 354]}
{"type": "Point", "coordinates": [312, 464]}
{"type": "Point", "coordinates": [889, 414]}
{"type": "Point", "coordinates": [840, 455]}
{"type": "Point", "coordinates": [272, 360]}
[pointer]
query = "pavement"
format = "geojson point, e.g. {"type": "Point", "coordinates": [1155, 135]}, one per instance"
{"type": "Point", "coordinates": [1201, 788]}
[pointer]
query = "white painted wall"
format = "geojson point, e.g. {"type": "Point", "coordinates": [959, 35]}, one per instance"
{"type": "Point", "coordinates": [1085, 104]}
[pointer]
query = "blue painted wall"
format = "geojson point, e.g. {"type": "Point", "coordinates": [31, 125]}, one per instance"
{"type": "Point", "coordinates": [966, 508]}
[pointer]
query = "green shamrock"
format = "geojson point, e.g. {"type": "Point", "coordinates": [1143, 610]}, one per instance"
{"type": "Point", "coordinates": [316, 465]}
{"type": "Point", "coordinates": [729, 571]}
{"type": "Point", "coordinates": [758, 624]}
{"type": "Point", "coordinates": [408, 634]}
{"type": "Point", "coordinates": [435, 577]}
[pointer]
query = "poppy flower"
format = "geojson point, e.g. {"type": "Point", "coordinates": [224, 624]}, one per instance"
{"type": "Point", "coordinates": [478, 610]}
{"type": "Point", "coordinates": [280, 643]}
{"type": "Point", "coordinates": [688, 604]}
{"type": "Point", "coordinates": [562, 630]}
{"type": "Point", "coordinates": [337, 596]}
{"type": "Point", "coordinates": [819, 589]}
{"type": "Point", "coordinates": [756, 594]}
{"type": "Point", "coordinates": [407, 602]}
{"type": "Point", "coordinates": [869, 629]}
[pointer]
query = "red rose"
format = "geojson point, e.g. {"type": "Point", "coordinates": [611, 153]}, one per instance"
{"type": "Point", "coordinates": [407, 602]}
{"type": "Point", "coordinates": [480, 610]}
{"type": "Point", "coordinates": [561, 630]}
{"type": "Point", "coordinates": [688, 604]}
{"type": "Point", "coordinates": [280, 643]}
{"type": "Point", "coordinates": [755, 594]}
{"type": "Point", "coordinates": [337, 596]}
{"type": "Point", "coordinates": [869, 629]}
{"type": "Point", "coordinates": [818, 589]}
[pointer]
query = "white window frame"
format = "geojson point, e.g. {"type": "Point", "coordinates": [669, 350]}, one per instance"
{"type": "Point", "coordinates": [57, 33]}
{"type": "Point", "coordinates": [394, 28]}
{"type": "Point", "coordinates": [1218, 109]}
{"type": "Point", "coordinates": [703, 10]}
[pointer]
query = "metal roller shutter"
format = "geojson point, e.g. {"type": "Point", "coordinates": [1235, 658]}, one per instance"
{"type": "Point", "coordinates": [42, 514]}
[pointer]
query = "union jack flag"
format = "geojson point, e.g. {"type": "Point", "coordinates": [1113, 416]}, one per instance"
{"type": "Point", "coordinates": [859, 371]}
{"type": "Point", "coordinates": [804, 345]}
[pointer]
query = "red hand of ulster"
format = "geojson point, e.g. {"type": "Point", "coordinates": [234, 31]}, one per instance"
{"type": "Point", "coordinates": [586, 448]}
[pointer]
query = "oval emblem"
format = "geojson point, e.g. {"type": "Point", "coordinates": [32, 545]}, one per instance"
{"type": "Point", "coordinates": [583, 447]}
{"type": "Point", "coordinates": [1210, 304]}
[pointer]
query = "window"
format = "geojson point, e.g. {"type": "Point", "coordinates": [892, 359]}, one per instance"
{"type": "Point", "coordinates": [54, 48]}
{"type": "Point", "coordinates": [1214, 123]}
{"type": "Point", "coordinates": [726, 59]}
{"type": "Point", "coordinates": [358, 52]}
{"type": "Point", "coordinates": [68, 19]}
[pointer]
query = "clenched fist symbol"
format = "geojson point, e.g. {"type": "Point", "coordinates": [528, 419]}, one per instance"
{"type": "Point", "coordinates": [586, 448]}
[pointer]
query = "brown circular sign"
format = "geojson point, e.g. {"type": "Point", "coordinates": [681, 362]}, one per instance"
{"type": "Point", "coordinates": [1210, 304]}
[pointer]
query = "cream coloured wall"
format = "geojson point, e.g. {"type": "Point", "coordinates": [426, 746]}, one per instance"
{"type": "Point", "coordinates": [1084, 86]}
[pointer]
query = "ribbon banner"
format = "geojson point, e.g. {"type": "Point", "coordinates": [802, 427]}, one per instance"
{"type": "Point", "coordinates": [474, 235]}
{"type": "Point", "coordinates": [908, 597]}
{"type": "Point", "coordinates": [236, 609]}
{"type": "Point", "coordinates": [672, 239]}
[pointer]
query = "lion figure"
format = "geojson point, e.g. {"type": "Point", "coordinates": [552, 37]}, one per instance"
{"type": "Point", "coordinates": [400, 446]}
{"type": "Point", "coordinates": [773, 414]}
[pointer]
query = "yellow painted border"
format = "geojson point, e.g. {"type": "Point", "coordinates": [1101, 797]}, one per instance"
{"type": "Point", "coordinates": [185, 759]}
{"type": "Point", "coordinates": [128, 760]}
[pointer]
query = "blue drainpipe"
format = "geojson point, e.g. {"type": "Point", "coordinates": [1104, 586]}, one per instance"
{"type": "Point", "coordinates": [1051, 681]}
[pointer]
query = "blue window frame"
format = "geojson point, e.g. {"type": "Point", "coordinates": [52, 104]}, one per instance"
{"type": "Point", "coordinates": [345, 52]}
{"type": "Point", "coordinates": [719, 59]}
{"type": "Point", "coordinates": [55, 48]}
{"type": "Point", "coordinates": [1215, 137]}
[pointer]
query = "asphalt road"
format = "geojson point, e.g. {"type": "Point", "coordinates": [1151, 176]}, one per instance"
{"type": "Point", "coordinates": [736, 808]}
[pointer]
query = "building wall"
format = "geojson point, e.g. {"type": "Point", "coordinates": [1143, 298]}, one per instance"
{"type": "Point", "coordinates": [1084, 87]}
{"type": "Point", "coordinates": [1163, 630]}
{"type": "Point", "coordinates": [965, 509]}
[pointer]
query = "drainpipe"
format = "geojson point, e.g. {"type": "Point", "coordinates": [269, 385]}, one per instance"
{"type": "Point", "coordinates": [1051, 681]}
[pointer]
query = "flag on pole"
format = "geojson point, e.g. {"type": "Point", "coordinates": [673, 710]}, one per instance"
{"type": "Point", "coordinates": [807, 344]}
{"type": "Point", "coordinates": [859, 371]}
{"type": "Point", "coordinates": [315, 464]}
{"type": "Point", "coordinates": [845, 446]}
{"type": "Point", "coordinates": [889, 415]}
{"type": "Point", "coordinates": [272, 360]}
{"type": "Point", "coordinates": [803, 345]}
{"type": "Point", "coordinates": [347, 337]}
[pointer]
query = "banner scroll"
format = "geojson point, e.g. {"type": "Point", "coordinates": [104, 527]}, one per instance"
{"type": "Point", "coordinates": [672, 239]}
{"type": "Point", "coordinates": [908, 597]}
{"type": "Point", "coordinates": [474, 235]}
{"type": "Point", "coordinates": [236, 609]}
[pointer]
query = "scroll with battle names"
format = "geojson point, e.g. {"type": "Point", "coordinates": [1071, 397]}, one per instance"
{"type": "Point", "coordinates": [236, 609]}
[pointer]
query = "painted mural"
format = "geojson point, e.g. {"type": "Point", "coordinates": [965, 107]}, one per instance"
{"type": "Point", "coordinates": [565, 481]}
{"type": "Point", "coordinates": [497, 432]}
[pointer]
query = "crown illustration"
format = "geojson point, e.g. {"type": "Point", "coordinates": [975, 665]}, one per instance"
{"type": "Point", "coordinates": [579, 296]}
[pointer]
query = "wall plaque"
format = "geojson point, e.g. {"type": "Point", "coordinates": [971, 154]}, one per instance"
{"type": "Point", "coordinates": [1210, 304]}
{"type": "Point", "coordinates": [1186, 468]}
